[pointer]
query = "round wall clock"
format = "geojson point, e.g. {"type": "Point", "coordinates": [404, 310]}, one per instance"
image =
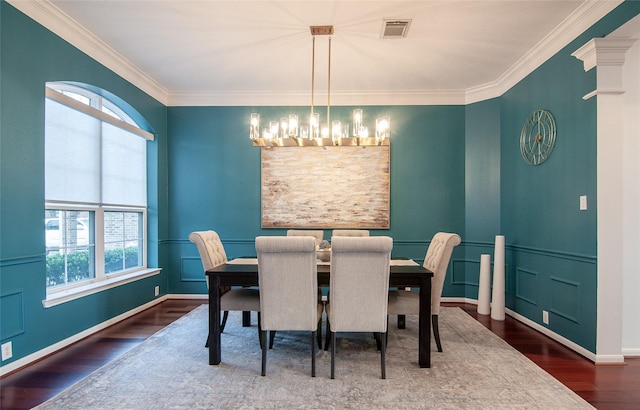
{"type": "Point", "coordinates": [538, 137]}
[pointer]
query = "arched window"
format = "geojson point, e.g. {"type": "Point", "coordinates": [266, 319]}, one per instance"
{"type": "Point", "coordinates": [95, 190]}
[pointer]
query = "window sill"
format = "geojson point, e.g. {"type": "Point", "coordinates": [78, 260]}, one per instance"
{"type": "Point", "coordinates": [58, 298]}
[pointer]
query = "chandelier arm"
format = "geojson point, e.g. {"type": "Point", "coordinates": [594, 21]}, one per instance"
{"type": "Point", "coordinates": [313, 70]}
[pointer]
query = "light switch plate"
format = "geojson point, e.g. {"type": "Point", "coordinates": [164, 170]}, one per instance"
{"type": "Point", "coordinates": [583, 202]}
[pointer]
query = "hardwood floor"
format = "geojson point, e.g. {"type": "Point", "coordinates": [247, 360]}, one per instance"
{"type": "Point", "coordinates": [604, 386]}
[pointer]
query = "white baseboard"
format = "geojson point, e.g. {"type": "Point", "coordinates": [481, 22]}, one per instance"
{"type": "Point", "coordinates": [598, 359]}
{"type": "Point", "coordinates": [32, 358]}
{"type": "Point", "coordinates": [27, 360]}
{"type": "Point", "coordinates": [204, 297]}
{"type": "Point", "coordinates": [631, 352]}
{"type": "Point", "coordinates": [553, 335]}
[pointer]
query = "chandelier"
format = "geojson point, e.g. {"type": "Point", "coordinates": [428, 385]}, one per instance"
{"type": "Point", "coordinates": [289, 131]}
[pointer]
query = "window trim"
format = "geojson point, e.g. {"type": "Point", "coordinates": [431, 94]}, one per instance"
{"type": "Point", "coordinates": [100, 276]}
{"type": "Point", "coordinates": [57, 96]}
{"type": "Point", "coordinates": [102, 281]}
{"type": "Point", "coordinates": [69, 294]}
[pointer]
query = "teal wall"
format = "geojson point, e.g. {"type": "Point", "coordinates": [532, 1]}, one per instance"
{"type": "Point", "coordinates": [453, 168]}
{"type": "Point", "coordinates": [482, 192]}
{"type": "Point", "coordinates": [30, 57]}
{"type": "Point", "coordinates": [552, 263]}
{"type": "Point", "coordinates": [552, 245]}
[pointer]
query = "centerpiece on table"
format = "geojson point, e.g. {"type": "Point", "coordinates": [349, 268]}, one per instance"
{"type": "Point", "coordinates": [324, 251]}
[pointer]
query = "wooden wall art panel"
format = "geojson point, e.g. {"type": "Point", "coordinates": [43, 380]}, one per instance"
{"type": "Point", "coordinates": [325, 187]}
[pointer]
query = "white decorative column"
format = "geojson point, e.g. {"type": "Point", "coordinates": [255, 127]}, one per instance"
{"type": "Point", "coordinates": [484, 288]}
{"type": "Point", "coordinates": [497, 295]}
{"type": "Point", "coordinates": [608, 55]}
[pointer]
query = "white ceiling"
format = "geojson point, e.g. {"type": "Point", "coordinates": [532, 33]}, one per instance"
{"type": "Point", "coordinates": [259, 52]}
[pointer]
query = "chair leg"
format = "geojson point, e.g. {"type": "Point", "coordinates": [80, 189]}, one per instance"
{"type": "Point", "coordinates": [377, 336]}
{"type": "Point", "coordinates": [246, 319]}
{"type": "Point", "coordinates": [224, 322]}
{"type": "Point", "coordinates": [261, 337]}
{"type": "Point", "coordinates": [319, 334]}
{"type": "Point", "coordinates": [327, 340]}
{"type": "Point", "coordinates": [436, 332]}
{"type": "Point", "coordinates": [313, 354]}
{"type": "Point", "coordinates": [333, 355]}
{"type": "Point", "coordinates": [272, 337]}
{"type": "Point", "coordinates": [225, 315]}
{"type": "Point", "coordinates": [383, 339]}
{"type": "Point", "coordinates": [386, 335]}
{"type": "Point", "coordinates": [264, 352]}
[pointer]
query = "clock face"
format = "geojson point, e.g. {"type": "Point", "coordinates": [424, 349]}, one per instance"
{"type": "Point", "coordinates": [538, 137]}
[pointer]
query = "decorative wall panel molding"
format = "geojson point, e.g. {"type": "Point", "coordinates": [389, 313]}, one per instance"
{"type": "Point", "coordinates": [527, 287]}
{"type": "Point", "coordinates": [325, 187]}
{"type": "Point", "coordinates": [191, 270]}
{"type": "Point", "coordinates": [565, 297]}
{"type": "Point", "coordinates": [12, 306]}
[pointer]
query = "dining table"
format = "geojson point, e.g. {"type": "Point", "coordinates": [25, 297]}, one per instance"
{"type": "Point", "coordinates": [403, 273]}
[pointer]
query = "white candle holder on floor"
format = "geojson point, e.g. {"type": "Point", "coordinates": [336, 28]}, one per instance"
{"type": "Point", "coordinates": [497, 296]}
{"type": "Point", "coordinates": [484, 289]}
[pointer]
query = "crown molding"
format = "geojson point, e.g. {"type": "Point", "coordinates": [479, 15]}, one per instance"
{"type": "Point", "coordinates": [338, 98]}
{"type": "Point", "coordinates": [61, 24]}
{"type": "Point", "coordinates": [45, 13]}
{"type": "Point", "coordinates": [603, 52]}
{"type": "Point", "coordinates": [575, 24]}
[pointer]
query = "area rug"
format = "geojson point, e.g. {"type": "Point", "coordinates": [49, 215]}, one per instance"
{"type": "Point", "coordinates": [170, 370]}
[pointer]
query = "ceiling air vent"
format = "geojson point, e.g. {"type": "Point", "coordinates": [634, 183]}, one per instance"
{"type": "Point", "coordinates": [395, 28]}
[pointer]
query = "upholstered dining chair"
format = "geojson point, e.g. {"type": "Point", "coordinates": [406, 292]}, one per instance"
{"type": "Point", "coordinates": [317, 234]}
{"type": "Point", "coordinates": [349, 232]}
{"type": "Point", "coordinates": [404, 302]}
{"type": "Point", "coordinates": [212, 254]}
{"type": "Point", "coordinates": [288, 278]}
{"type": "Point", "coordinates": [358, 289]}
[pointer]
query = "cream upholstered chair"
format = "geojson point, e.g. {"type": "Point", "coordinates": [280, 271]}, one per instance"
{"type": "Point", "coordinates": [288, 278]}
{"type": "Point", "coordinates": [359, 286]}
{"type": "Point", "coordinates": [212, 254]}
{"type": "Point", "coordinates": [317, 234]}
{"type": "Point", "coordinates": [402, 302]}
{"type": "Point", "coordinates": [349, 232]}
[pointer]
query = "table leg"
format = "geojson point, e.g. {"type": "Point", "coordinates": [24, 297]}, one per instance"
{"type": "Point", "coordinates": [214, 320]}
{"type": "Point", "coordinates": [424, 336]}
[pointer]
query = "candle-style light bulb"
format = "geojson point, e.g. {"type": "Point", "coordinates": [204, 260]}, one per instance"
{"type": "Point", "coordinates": [273, 129]}
{"type": "Point", "coordinates": [314, 125]}
{"type": "Point", "coordinates": [336, 130]}
{"type": "Point", "coordinates": [254, 126]}
{"type": "Point", "coordinates": [284, 126]}
{"type": "Point", "coordinates": [293, 126]}
{"type": "Point", "coordinates": [324, 131]}
{"type": "Point", "coordinates": [382, 128]}
{"type": "Point", "coordinates": [357, 122]}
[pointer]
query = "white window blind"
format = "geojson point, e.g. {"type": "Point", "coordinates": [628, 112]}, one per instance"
{"type": "Point", "coordinates": [90, 160]}
{"type": "Point", "coordinates": [124, 167]}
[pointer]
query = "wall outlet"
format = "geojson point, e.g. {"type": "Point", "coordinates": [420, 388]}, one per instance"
{"type": "Point", "coordinates": [157, 290]}
{"type": "Point", "coordinates": [545, 317]}
{"type": "Point", "coordinates": [7, 351]}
